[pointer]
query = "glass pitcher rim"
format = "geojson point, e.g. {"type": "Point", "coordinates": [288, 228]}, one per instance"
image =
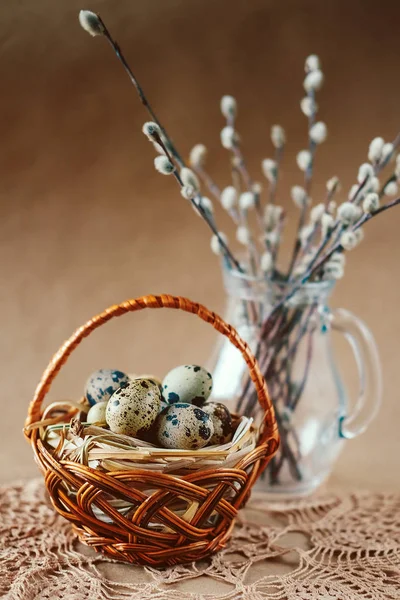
{"type": "Point", "coordinates": [323, 285]}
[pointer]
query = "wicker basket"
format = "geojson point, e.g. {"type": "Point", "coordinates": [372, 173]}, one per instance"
{"type": "Point", "coordinates": [155, 533]}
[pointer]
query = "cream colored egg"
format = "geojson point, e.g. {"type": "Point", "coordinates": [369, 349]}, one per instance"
{"type": "Point", "coordinates": [187, 383]}
{"type": "Point", "coordinates": [97, 414]}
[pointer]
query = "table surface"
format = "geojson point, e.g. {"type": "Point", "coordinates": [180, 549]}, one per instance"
{"type": "Point", "coordinates": [327, 547]}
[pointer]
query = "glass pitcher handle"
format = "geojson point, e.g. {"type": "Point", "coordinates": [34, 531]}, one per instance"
{"type": "Point", "coordinates": [369, 369]}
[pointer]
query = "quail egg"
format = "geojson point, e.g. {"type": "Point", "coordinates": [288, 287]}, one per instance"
{"type": "Point", "coordinates": [97, 413]}
{"type": "Point", "coordinates": [188, 384]}
{"type": "Point", "coordinates": [222, 422]}
{"type": "Point", "coordinates": [152, 378]}
{"type": "Point", "coordinates": [103, 383]}
{"type": "Point", "coordinates": [133, 408]}
{"type": "Point", "coordinates": [183, 426]}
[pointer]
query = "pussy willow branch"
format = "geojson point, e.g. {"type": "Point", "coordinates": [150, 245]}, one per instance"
{"type": "Point", "coordinates": [196, 202]}
{"type": "Point", "coordinates": [307, 185]}
{"type": "Point", "coordinates": [363, 220]}
{"type": "Point", "coordinates": [171, 146]}
{"type": "Point", "coordinates": [297, 285]}
{"type": "Point", "coordinates": [139, 89]}
{"type": "Point", "coordinates": [336, 229]}
{"type": "Point", "coordinates": [273, 185]}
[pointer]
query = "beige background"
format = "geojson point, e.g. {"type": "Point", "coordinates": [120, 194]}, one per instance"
{"type": "Point", "coordinates": [85, 220]}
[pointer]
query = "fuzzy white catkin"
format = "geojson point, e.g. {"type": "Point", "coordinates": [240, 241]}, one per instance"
{"type": "Point", "coordinates": [327, 224]}
{"type": "Point", "coordinates": [269, 169]}
{"type": "Point", "coordinates": [247, 200]}
{"type": "Point", "coordinates": [365, 171]}
{"type": "Point", "coordinates": [333, 270]}
{"type": "Point", "coordinates": [332, 205]}
{"type": "Point", "coordinates": [370, 203]}
{"type": "Point", "coordinates": [308, 106]}
{"type": "Point", "coordinates": [198, 154]}
{"type": "Point", "coordinates": [266, 262]}
{"type": "Point", "coordinates": [163, 165]}
{"type": "Point", "coordinates": [188, 192]}
{"type": "Point", "coordinates": [316, 212]}
{"type": "Point", "coordinates": [272, 215]}
{"type": "Point", "coordinates": [229, 197]}
{"type": "Point", "coordinates": [243, 235]}
{"type": "Point", "coordinates": [228, 137]}
{"type": "Point", "coordinates": [375, 149]}
{"type": "Point", "coordinates": [189, 178]}
{"type": "Point", "coordinates": [299, 195]}
{"type": "Point", "coordinates": [300, 269]}
{"type": "Point", "coordinates": [207, 204]}
{"type": "Point", "coordinates": [228, 106]}
{"type": "Point", "coordinates": [305, 234]}
{"type": "Point", "coordinates": [348, 240]}
{"type": "Point", "coordinates": [359, 233]}
{"type": "Point", "coordinates": [150, 129]}
{"type": "Point", "coordinates": [278, 136]}
{"type": "Point", "coordinates": [91, 23]}
{"type": "Point", "coordinates": [256, 188]}
{"type": "Point", "coordinates": [338, 257]}
{"type": "Point", "coordinates": [215, 243]}
{"type": "Point", "coordinates": [312, 63]}
{"type": "Point", "coordinates": [272, 237]}
{"type": "Point", "coordinates": [387, 150]}
{"type": "Point", "coordinates": [304, 160]}
{"type": "Point", "coordinates": [354, 191]}
{"type": "Point", "coordinates": [397, 167]}
{"type": "Point", "coordinates": [348, 213]}
{"type": "Point", "coordinates": [374, 184]}
{"type": "Point", "coordinates": [318, 132]}
{"type": "Point", "coordinates": [332, 183]}
{"type": "Point", "coordinates": [313, 81]}
{"type": "Point", "coordinates": [391, 189]}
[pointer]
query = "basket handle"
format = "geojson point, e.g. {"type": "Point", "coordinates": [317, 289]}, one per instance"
{"type": "Point", "coordinates": [269, 428]}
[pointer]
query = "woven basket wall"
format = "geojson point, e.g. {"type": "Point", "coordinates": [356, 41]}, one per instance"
{"type": "Point", "coordinates": [155, 533]}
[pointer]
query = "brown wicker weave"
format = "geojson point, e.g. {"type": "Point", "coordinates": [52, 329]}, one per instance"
{"type": "Point", "coordinates": [153, 534]}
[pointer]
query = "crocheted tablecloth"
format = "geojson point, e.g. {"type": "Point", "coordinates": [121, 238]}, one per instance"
{"type": "Point", "coordinates": [331, 546]}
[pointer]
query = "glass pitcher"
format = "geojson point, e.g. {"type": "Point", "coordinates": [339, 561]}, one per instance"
{"type": "Point", "coordinates": [303, 377]}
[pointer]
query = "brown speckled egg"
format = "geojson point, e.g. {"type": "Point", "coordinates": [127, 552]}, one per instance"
{"type": "Point", "coordinates": [222, 422]}
{"type": "Point", "coordinates": [152, 378]}
{"type": "Point", "coordinates": [183, 426]}
{"type": "Point", "coordinates": [133, 408]}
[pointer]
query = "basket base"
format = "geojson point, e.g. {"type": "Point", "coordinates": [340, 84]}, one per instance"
{"type": "Point", "coordinates": [151, 556]}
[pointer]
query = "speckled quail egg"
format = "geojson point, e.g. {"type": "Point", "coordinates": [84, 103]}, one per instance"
{"type": "Point", "coordinates": [152, 378]}
{"type": "Point", "coordinates": [102, 384]}
{"type": "Point", "coordinates": [187, 383]}
{"type": "Point", "coordinates": [97, 413]}
{"type": "Point", "coordinates": [222, 422]}
{"type": "Point", "coordinates": [183, 426]}
{"type": "Point", "coordinates": [133, 408]}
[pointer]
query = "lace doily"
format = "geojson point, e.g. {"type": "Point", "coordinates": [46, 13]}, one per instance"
{"type": "Point", "coordinates": [327, 548]}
